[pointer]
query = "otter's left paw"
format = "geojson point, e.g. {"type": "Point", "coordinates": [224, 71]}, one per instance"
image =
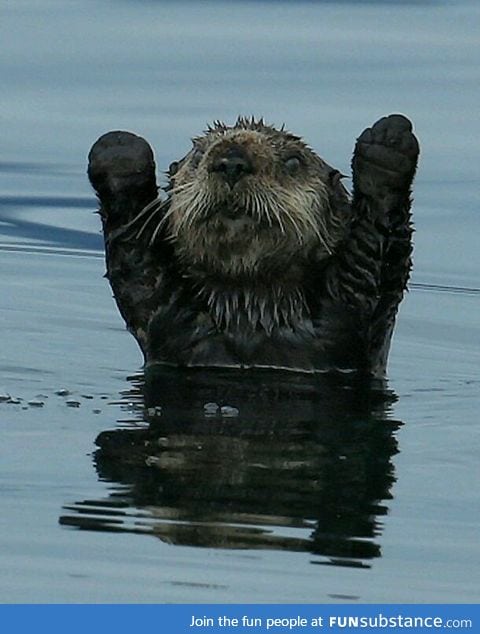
{"type": "Point", "coordinates": [385, 156]}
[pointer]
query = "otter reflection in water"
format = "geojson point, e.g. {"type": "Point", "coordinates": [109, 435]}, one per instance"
{"type": "Point", "coordinates": [257, 460]}
{"type": "Point", "coordinates": [256, 256]}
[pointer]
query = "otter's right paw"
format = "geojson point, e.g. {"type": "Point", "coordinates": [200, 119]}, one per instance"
{"type": "Point", "coordinates": [121, 169]}
{"type": "Point", "coordinates": [385, 156]}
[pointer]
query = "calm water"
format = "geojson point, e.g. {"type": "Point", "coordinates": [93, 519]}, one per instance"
{"type": "Point", "coordinates": [293, 492]}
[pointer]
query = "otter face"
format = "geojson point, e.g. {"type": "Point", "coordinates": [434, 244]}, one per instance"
{"type": "Point", "coordinates": [249, 198]}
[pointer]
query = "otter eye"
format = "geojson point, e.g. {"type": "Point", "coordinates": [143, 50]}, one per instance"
{"type": "Point", "coordinates": [173, 168]}
{"type": "Point", "coordinates": [196, 157]}
{"type": "Point", "coordinates": [293, 164]}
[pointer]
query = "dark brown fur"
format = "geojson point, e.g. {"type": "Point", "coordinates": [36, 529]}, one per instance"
{"type": "Point", "coordinates": [257, 256]}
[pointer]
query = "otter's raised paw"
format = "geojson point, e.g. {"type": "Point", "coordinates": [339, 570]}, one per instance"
{"type": "Point", "coordinates": [385, 156]}
{"type": "Point", "coordinates": [121, 169]}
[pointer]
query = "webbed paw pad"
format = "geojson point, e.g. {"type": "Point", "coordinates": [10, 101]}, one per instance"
{"type": "Point", "coordinates": [385, 155]}
{"type": "Point", "coordinates": [119, 160]}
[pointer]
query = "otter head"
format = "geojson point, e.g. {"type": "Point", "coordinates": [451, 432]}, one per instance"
{"type": "Point", "coordinates": [250, 199]}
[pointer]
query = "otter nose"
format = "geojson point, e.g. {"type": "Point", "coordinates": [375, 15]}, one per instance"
{"type": "Point", "coordinates": [232, 165]}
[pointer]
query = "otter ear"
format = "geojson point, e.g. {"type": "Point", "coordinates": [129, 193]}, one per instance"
{"type": "Point", "coordinates": [335, 177]}
{"type": "Point", "coordinates": [173, 168]}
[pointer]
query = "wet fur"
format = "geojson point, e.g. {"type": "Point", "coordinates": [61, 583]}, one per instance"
{"type": "Point", "coordinates": [281, 269]}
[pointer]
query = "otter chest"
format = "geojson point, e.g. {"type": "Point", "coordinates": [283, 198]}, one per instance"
{"type": "Point", "coordinates": [194, 339]}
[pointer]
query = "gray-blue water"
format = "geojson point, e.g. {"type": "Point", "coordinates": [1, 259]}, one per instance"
{"type": "Point", "coordinates": [360, 512]}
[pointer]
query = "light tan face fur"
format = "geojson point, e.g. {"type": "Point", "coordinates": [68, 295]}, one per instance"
{"type": "Point", "coordinates": [275, 216]}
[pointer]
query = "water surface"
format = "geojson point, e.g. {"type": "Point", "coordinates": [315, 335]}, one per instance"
{"type": "Point", "coordinates": [280, 498]}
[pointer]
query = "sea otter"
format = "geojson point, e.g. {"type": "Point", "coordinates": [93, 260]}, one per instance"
{"type": "Point", "coordinates": [254, 254]}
